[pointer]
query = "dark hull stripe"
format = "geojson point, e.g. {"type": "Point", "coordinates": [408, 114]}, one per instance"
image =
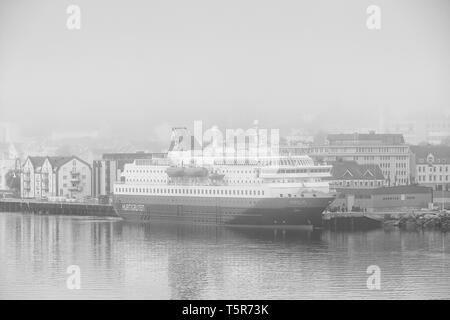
{"type": "Point", "coordinates": [277, 213]}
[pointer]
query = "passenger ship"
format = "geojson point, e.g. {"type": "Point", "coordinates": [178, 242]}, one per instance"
{"type": "Point", "coordinates": [279, 192]}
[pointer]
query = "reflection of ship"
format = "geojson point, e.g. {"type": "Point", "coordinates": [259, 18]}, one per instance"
{"type": "Point", "coordinates": [269, 191]}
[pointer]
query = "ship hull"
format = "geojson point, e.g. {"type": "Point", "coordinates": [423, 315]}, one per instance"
{"type": "Point", "coordinates": [273, 213]}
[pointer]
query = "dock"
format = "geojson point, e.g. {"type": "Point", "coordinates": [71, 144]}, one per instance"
{"type": "Point", "coordinates": [57, 208]}
{"type": "Point", "coordinates": [352, 220]}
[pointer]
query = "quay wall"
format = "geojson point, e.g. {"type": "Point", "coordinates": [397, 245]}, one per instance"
{"type": "Point", "coordinates": [57, 208]}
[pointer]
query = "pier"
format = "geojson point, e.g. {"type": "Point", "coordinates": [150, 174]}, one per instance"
{"type": "Point", "coordinates": [352, 220]}
{"type": "Point", "coordinates": [57, 208]}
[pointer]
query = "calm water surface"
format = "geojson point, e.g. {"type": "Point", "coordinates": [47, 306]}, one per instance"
{"type": "Point", "coordinates": [120, 260]}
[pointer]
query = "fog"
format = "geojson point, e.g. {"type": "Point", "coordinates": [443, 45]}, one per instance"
{"type": "Point", "coordinates": [138, 67]}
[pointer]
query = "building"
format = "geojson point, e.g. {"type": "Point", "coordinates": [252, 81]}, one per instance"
{"type": "Point", "coordinates": [385, 199]}
{"type": "Point", "coordinates": [350, 174]}
{"type": "Point", "coordinates": [44, 177]}
{"type": "Point", "coordinates": [109, 169]}
{"type": "Point", "coordinates": [411, 130]}
{"type": "Point", "coordinates": [431, 166]}
{"type": "Point", "coordinates": [388, 151]}
{"type": "Point", "coordinates": [437, 131]}
{"type": "Point", "coordinates": [30, 178]}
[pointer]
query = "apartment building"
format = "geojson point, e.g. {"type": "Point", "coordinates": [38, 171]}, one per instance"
{"type": "Point", "coordinates": [44, 177]}
{"type": "Point", "coordinates": [388, 151]}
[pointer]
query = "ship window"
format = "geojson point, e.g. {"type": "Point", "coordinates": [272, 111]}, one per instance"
{"type": "Point", "coordinates": [289, 195]}
{"type": "Point", "coordinates": [281, 195]}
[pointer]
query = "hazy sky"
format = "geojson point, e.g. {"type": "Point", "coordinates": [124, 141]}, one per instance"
{"type": "Point", "coordinates": [136, 65]}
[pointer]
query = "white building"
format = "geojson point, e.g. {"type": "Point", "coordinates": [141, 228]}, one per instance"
{"type": "Point", "coordinates": [388, 151]}
{"type": "Point", "coordinates": [44, 177]}
{"type": "Point", "coordinates": [432, 166]}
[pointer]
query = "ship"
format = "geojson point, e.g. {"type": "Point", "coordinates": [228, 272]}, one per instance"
{"type": "Point", "coordinates": [262, 191]}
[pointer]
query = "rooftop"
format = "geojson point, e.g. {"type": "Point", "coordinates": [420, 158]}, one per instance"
{"type": "Point", "coordinates": [366, 138]}
{"type": "Point", "coordinates": [351, 170]}
{"type": "Point", "coordinates": [37, 161]}
{"type": "Point", "coordinates": [55, 161]}
{"type": "Point", "coordinates": [441, 154]}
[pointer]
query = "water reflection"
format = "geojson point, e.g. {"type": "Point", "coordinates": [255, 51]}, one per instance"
{"type": "Point", "coordinates": [132, 261]}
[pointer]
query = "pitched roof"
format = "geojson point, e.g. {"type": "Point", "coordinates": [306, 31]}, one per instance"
{"type": "Point", "coordinates": [37, 161]}
{"type": "Point", "coordinates": [351, 170]}
{"type": "Point", "coordinates": [440, 153]}
{"type": "Point", "coordinates": [382, 138]}
{"type": "Point", "coordinates": [56, 162]}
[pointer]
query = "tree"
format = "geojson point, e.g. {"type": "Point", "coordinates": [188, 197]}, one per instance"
{"type": "Point", "coordinates": [12, 179]}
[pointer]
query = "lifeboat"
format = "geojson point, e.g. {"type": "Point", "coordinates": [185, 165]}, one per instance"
{"type": "Point", "coordinates": [196, 172]}
{"type": "Point", "coordinates": [175, 172]}
{"type": "Point", "coordinates": [216, 176]}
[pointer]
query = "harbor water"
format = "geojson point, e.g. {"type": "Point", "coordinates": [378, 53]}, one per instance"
{"type": "Point", "coordinates": [121, 260]}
